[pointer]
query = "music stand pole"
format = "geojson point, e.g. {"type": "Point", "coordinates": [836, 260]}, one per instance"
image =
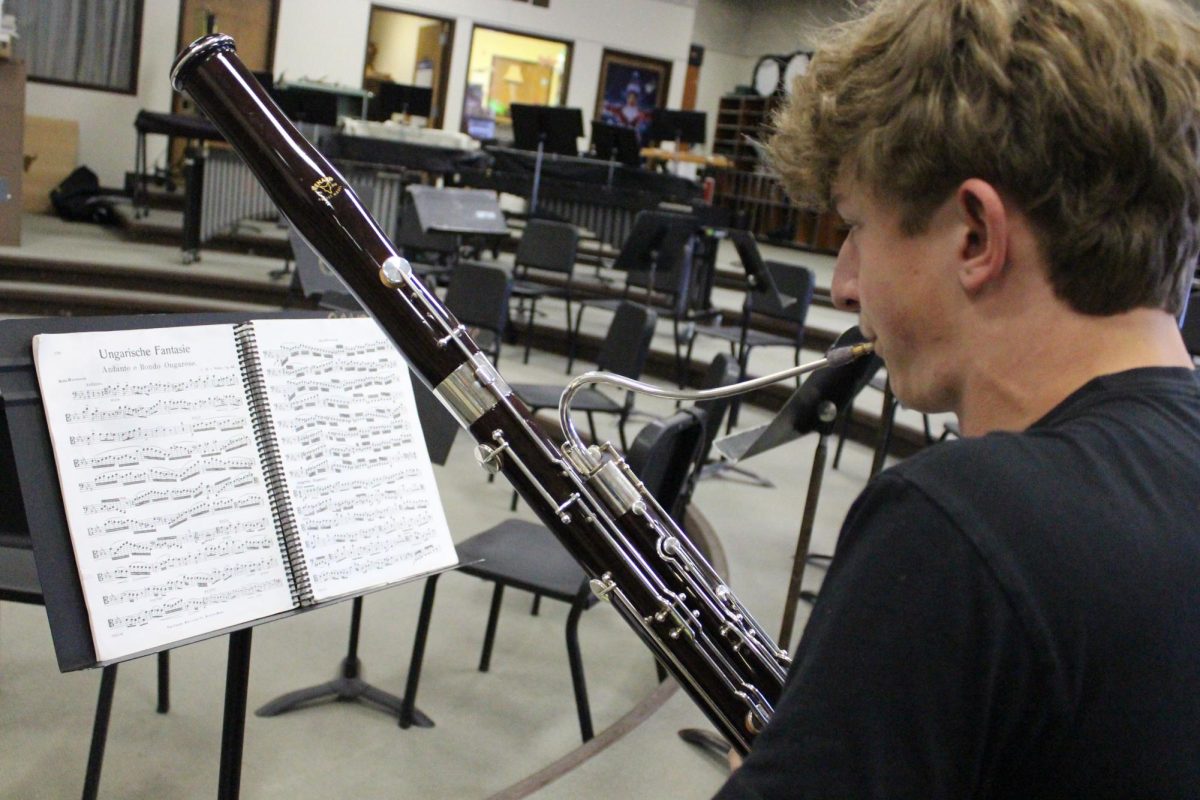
{"type": "Point", "coordinates": [537, 174]}
{"type": "Point", "coordinates": [803, 541]}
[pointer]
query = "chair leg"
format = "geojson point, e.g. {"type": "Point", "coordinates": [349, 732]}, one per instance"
{"type": "Point", "coordinates": [592, 428]}
{"type": "Point", "coordinates": [570, 336]}
{"type": "Point", "coordinates": [573, 339]}
{"type": "Point", "coordinates": [489, 636]}
{"type": "Point", "coordinates": [408, 705]}
{"type": "Point", "coordinates": [843, 429]}
{"type": "Point", "coordinates": [537, 604]}
{"type": "Point", "coordinates": [529, 328]}
{"type": "Point", "coordinates": [743, 358]}
{"type": "Point", "coordinates": [576, 661]}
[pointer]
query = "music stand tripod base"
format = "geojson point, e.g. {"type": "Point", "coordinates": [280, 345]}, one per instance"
{"type": "Point", "coordinates": [346, 687]}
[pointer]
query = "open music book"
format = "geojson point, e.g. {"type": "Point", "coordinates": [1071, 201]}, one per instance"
{"type": "Point", "coordinates": [218, 474]}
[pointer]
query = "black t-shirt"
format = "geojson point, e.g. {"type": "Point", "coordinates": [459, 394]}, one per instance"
{"type": "Point", "coordinates": [1012, 616]}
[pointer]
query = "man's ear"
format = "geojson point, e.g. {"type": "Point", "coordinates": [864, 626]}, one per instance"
{"type": "Point", "coordinates": [983, 251]}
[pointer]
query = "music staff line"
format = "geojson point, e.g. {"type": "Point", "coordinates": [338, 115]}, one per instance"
{"type": "Point", "coordinates": [218, 381]}
{"type": "Point", "coordinates": [89, 414]}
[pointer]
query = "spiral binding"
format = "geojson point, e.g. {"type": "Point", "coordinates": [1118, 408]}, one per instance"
{"type": "Point", "coordinates": [299, 583]}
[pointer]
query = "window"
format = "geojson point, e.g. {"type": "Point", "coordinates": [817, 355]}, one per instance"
{"type": "Point", "coordinates": [92, 44]}
{"type": "Point", "coordinates": [507, 68]}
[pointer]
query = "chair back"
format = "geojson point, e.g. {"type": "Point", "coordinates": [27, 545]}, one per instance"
{"type": "Point", "coordinates": [549, 246]}
{"type": "Point", "coordinates": [478, 296]}
{"type": "Point", "coordinates": [723, 371]}
{"type": "Point", "coordinates": [789, 296]}
{"type": "Point", "coordinates": [1191, 326]}
{"type": "Point", "coordinates": [627, 344]}
{"type": "Point", "coordinates": [664, 456]}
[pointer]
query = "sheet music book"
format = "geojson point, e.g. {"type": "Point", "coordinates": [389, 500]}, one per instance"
{"type": "Point", "coordinates": [217, 474]}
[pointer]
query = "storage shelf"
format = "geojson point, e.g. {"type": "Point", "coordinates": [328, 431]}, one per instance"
{"type": "Point", "coordinates": [759, 198]}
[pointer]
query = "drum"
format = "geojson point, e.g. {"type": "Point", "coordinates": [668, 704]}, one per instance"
{"type": "Point", "coordinates": [768, 73]}
{"type": "Point", "coordinates": [795, 65]}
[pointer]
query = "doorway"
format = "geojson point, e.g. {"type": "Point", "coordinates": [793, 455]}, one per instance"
{"type": "Point", "coordinates": [410, 50]}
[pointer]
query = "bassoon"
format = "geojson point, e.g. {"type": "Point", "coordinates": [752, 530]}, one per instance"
{"type": "Point", "coordinates": [633, 552]}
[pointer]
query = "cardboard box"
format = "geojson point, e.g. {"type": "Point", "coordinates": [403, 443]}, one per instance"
{"type": "Point", "coordinates": [51, 154]}
{"type": "Point", "coordinates": [12, 130]}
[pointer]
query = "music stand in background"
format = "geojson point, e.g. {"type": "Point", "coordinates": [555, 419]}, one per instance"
{"type": "Point", "coordinates": [400, 98]}
{"type": "Point", "coordinates": [615, 144]}
{"type": "Point", "coordinates": [814, 407]}
{"type": "Point", "coordinates": [463, 211]}
{"type": "Point", "coordinates": [676, 125]}
{"type": "Point", "coordinates": [471, 215]}
{"type": "Point", "coordinates": [301, 104]}
{"type": "Point", "coordinates": [545, 129]}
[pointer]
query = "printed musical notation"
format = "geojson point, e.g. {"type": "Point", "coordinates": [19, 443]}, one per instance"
{"type": "Point", "coordinates": [162, 483]}
{"type": "Point", "coordinates": [365, 502]}
{"type": "Point", "coordinates": [204, 469]}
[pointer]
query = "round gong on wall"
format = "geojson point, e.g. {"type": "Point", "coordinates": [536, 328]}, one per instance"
{"type": "Point", "coordinates": [767, 73]}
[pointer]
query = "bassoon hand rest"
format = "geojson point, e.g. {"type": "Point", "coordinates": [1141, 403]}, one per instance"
{"type": "Point", "coordinates": [636, 556]}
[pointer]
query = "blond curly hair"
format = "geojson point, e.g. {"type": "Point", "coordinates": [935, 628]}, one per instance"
{"type": "Point", "coordinates": [1085, 112]}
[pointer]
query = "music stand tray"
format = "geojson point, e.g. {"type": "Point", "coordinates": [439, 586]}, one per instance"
{"type": "Point", "coordinates": [465, 211]}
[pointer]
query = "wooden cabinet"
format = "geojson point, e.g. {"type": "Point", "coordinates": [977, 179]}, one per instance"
{"type": "Point", "coordinates": [12, 161]}
{"type": "Point", "coordinates": [756, 195]}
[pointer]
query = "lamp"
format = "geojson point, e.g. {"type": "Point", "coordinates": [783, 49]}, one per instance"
{"type": "Point", "coordinates": [513, 74]}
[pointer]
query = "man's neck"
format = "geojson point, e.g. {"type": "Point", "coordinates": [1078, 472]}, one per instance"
{"type": "Point", "coordinates": [1014, 380]}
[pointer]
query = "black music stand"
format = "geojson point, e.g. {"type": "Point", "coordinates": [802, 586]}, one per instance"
{"type": "Point", "coordinates": [814, 407]}
{"type": "Point", "coordinates": [439, 429]}
{"type": "Point", "coordinates": [681, 127]}
{"type": "Point", "coordinates": [474, 212]}
{"type": "Point", "coordinates": [615, 144]}
{"type": "Point", "coordinates": [546, 129]}
{"type": "Point", "coordinates": [42, 504]}
{"type": "Point", "coordinates": [399, 98]}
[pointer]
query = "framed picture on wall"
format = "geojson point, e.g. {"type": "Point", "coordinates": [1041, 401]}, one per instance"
{"type": "Point", "coordinates": [631, 88]}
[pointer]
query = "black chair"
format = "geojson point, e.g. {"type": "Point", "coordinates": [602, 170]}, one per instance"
{"type": "Point", "coordinates": [779, 291]}
{"type": "Point", "coordinates": [661, 272]}
{"type": "Point", "coordinates": [527, 556]}
{"type": "Point", "coordinates": [625, 350]}
{"type": "Point", "coordinates": [1191, 327]}
{"type": "Point", "coordinates": [478, 297]}
{"type": "Point", "coordinates": [545, 247]}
